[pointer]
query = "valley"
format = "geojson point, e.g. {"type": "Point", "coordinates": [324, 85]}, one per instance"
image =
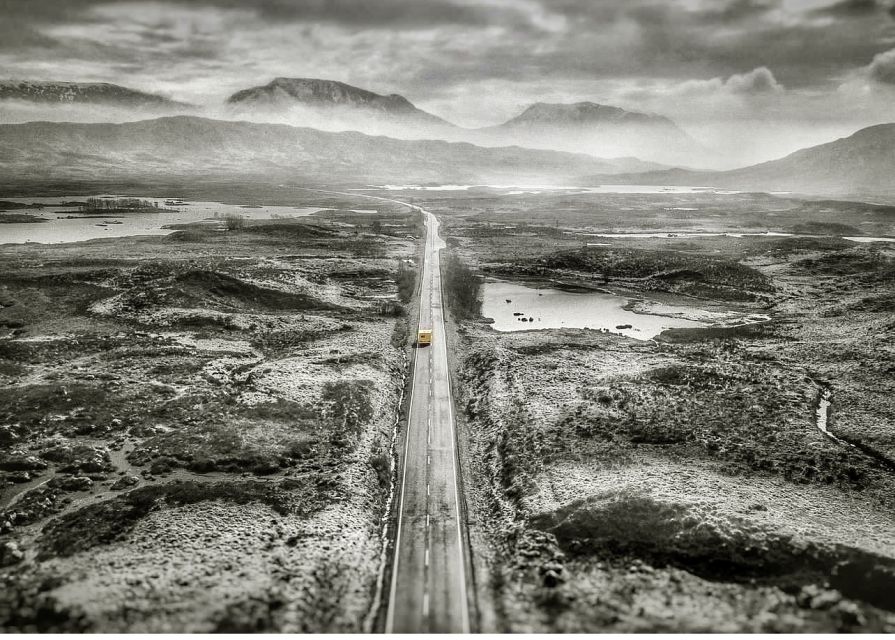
{"type": "Point", "coordinates": [230, 399]}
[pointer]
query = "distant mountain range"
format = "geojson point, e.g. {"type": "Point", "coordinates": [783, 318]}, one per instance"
{"type": "Point", "coordinates": [585, 127]}
{"type": "Point", "coordinates": [523, 149]}
{"type": "Point", "coordinates": [83, 93]}
{"type": "Point", "coordinates": [861, 164]}
{"type": "Point", "coordinates": [188, 146]}
{"type": "Point", "coordinates": [598, 130]}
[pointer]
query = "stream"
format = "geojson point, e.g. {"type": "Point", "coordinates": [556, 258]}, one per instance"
{"type": "Point", "coordinates": [823, 417]}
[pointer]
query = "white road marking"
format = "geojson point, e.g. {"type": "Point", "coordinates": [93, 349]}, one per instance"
{"type": "Point", "coordinates": [425, 604]}
{"type": "Point", "coordinates": [426, 558]}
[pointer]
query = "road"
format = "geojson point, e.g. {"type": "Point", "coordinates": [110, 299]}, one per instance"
{"type": "Point", "coordinates": [428, 582]}
{"type": "Point", "coordinates": [428, 585]}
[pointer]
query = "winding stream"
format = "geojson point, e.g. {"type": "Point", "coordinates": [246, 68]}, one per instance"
{"type": "Point", "coordinates": [823, 416]}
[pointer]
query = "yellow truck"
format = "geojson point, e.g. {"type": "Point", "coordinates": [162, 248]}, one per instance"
{"type": "Point", "coordinates": [424, 337]}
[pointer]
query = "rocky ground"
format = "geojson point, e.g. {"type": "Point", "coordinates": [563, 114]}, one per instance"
{"type": "Point", "coordinates": [195, 430]}
{"type": "Point", "coordinates": [683, 483]}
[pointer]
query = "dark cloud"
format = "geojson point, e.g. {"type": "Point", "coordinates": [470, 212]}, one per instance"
{"type": "Point", "coordinates": [737, 10]}
{"type": "Point", "coordinates": [759, 45]}
{"type": "Point", "coordinates": [395, 13]}
{"type": "Point", "coordinates": [882, 69]}
{"type": "Point", "coordinates": [18, 35]}
{"type": "Point", "coordinates": [851, 8]}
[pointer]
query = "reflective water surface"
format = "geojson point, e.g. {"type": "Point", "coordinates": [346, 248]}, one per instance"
{"type": "Point", "coordinates": [61, 229]}
{"type": "Point", "coordinates": [555, 309]}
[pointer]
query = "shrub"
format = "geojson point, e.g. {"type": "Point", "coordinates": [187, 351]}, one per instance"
{"type": "Point", "coordinates": [462, 285]}
{"type": "Point", "coordinates": [381, 464]}
{"type": "Point", "coordinates": [406, 280]}
{"type": "Point", "coordinates": [234, 222]}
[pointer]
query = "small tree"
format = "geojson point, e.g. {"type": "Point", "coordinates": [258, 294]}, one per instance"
{"type": "Point", "coordinates": [462, 285]}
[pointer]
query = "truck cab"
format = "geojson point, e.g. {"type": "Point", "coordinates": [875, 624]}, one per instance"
{"type": "Point", "coordinates": [424, 337]}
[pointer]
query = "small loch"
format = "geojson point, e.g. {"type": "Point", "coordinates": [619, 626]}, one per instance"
{"type": "Point", "coordinates": [555, 309]}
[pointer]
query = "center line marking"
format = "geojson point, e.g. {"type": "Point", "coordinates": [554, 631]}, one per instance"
{"type": "Point", "coordinates": [426, 604]}
{"type": "Point", "coordinates": [426, 559]}
{"type": "Point", "coordinates": [427, 490]}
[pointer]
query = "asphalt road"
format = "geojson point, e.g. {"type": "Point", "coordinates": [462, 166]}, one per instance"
{"type": "Point", "coordinates": [428, 586]}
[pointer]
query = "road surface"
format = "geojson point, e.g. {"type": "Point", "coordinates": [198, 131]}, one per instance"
{"type": "Point", "coordinates": [428, 585]}
{"type": "Point", "coordinates": [428, 580]}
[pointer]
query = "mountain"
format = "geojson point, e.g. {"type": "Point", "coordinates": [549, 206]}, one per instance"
{"type": "Point", "coordinates": [862, 164]}
{"type": "Point", "coordinates": [331, 105]}
{"type": "Point", "coordinates": [601, 130]}
{"type": "Point", "coordinates": [94, 93]}
{"type": "Point", "coordinates": [585, 115]}
{"type": "Point", "coordinates": [188, 146]}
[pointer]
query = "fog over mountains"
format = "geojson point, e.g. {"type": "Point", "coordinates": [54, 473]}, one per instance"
{"type": "Point", "coordinates": [588, 127]}
{"type": "Point", "coordinates": [185, 146]}
{"type": "Point", "coordinates": [102, 93]}
{"type": "Point", "coordinates": [59, 101]}
{"type": "Point", "coordinates": [598, 130]}
{"type": "Point", "coordinates": [862, 164]}
{"type": "Point", "coordinates": [340, 100]}
{"type": "Point", "coordinates": [545, 142]}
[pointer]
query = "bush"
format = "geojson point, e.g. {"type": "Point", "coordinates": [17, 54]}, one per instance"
{"type": "Point", "coordinates": [461, 286]}
{"type": "Point", "coordinates": [234, 222]}
{"type": "Point", "coordinates": [406, 280]}
{"type": "Point", "coordinates": [399, 334]}
{"type": "Point", "coordinates": [381, 463]}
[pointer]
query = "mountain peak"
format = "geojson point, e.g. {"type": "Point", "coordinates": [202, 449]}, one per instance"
{"type": "Point", "coordinates": [50, 91]}
{"type": "Point", "coordinates": [584, 114]}
{"type": "Point", "coordinates": [320, 93]}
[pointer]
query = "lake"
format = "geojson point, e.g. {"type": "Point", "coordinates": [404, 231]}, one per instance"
{"type": "Point", "coordinates": [60, 230]}
{"type": "Point", "coordinates": [695, 235]}
{"type": "Point", "coordinates": [555, 309]}
{"type": "Point", "coordinates": [519, 189]}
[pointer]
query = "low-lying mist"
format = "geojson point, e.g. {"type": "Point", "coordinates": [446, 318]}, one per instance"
{"type": "Point", "coordinates": [708, 145]}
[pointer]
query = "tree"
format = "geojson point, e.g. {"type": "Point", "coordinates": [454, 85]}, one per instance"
{"type": "Point", "coordinates": [462, 287]}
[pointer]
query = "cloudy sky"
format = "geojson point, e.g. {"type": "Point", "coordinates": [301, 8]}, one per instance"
{"type": "Point", "coordinates": [771, 74]}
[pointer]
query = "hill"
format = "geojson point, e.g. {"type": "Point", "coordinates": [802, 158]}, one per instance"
{"type": "Point", "coordinates": [860, 165]}
{"type": "Point", "coordinates": [186, 146]}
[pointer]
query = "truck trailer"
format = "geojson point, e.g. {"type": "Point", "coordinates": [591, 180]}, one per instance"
{"type": "Point", "coordinates": [424, 337]}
